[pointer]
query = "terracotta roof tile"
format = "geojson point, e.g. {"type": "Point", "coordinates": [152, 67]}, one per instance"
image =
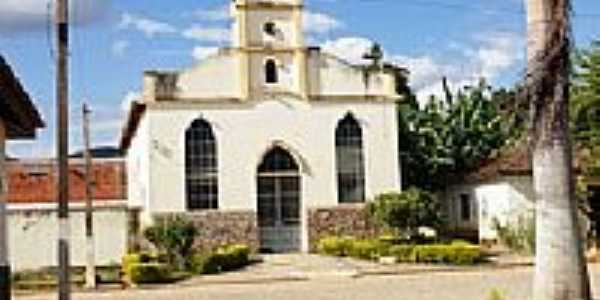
{"type": "Point", "coordinates": [35, 182]}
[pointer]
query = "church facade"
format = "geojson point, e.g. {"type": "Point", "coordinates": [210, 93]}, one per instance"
{"type": "Point", "coordinates": [267, 142]}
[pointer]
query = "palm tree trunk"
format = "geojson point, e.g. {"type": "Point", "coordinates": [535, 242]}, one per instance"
{"type": "Point", "coordinates": [561, 271]}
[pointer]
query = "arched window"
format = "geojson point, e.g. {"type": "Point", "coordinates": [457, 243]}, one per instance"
{"type": "Point", "coordinates": [350, 162]}
{"type": "Point", "coordinates": [202, 186]}
{"type": "Point", "coordinates": [271, 75]}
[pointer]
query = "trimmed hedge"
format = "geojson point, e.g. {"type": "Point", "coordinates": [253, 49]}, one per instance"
{"type": "Point", "coordinates": [335, 246]}
{"type": "Point", "coordinates": [145, 268]}
{"type": "Point", "coordinates": [402, 253]}
{"type": "Point", "coordinates": [224, 259]}
{"type": "Point", "coordinates": [450, 254]}
{"type": "Point", "coordinates": [149, 273]}
{"type": "Point", "coordinates": [457, 253]}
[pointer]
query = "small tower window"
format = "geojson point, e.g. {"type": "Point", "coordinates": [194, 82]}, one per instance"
{"type": "Point", "coordinates": [269, 28]}
{"type": "Point", "coordinates": [271, 75]}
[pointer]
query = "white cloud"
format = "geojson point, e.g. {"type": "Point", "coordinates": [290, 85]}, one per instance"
{"type": "Point", "coordinates": [119, 48]}
{"type": "Point", "coordinates": [130, 97]}
{"type": "Point", "coordinates": [200, 53]}
{"type": "Point", "coordinates": [320, 23]}
{"type": "Point", "coordinates": [499, 51]}
{"type": "Point", "coordinates": [491, 56]}
{"type": "Point", "coordinates": [33, 15]}
{"type": "Point", "coordinates": [350, 49]}
{"type": "Point", "coordinates": [148, 26]}
{"type": "Point", "coordinates": [217, 14]}
{"type": "Point", "coordinates": [207, 34]}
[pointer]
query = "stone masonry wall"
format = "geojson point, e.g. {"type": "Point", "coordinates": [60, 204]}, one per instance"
{"type": "Point", "coordinates": [220, 228]}
{"type": "Point", "coordinates": [343, 220]}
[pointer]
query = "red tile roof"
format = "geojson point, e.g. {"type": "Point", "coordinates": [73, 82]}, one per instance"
{"type": "Point", "coordinates": [35, 181]}
{"type": "Point", "coordinates": [516, 160]}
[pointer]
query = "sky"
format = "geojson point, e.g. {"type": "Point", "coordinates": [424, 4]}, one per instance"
{"type": "Point", "coordinates": [114, 42]}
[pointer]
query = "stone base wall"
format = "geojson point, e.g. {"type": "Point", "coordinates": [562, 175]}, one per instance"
{"type": "Point", "coordinates": [220, 228]}
{"type": "Point", "coordinates": [344, 220]}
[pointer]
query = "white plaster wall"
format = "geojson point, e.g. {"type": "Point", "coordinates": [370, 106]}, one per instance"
{"type": "Point", "coordinates": [337, 77]}
{"type": "Point", "coordinates": [284, 22]}
{"type": "Point", "coordinates": [506, 200]}
{"type": "Point", "coordinates": [215, 76]}
{"type": "Point", "coordinates": [138, 167]}
{"type": "Point", "coordinates": [245, 132]}
{"type": "Point", "coordinates": [33, 235]}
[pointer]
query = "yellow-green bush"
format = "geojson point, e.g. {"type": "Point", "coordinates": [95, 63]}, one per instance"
{"type": "Point", "coordinates": [148, 273]}
{"type": "Point", "coordinates": [224, 259]}
{"type": "Point", "coordinates": [451, 254]}
{"type": "Point", "coordinates": [403, 253]}
{"type": "Point", "coordinates": [458, 252]}
{"type": "Point", "coordinates": [233, 257]}
{"type": "Point", "coordinates": [335, 246]}
{"type": "Point", "coordinates": [364, 249]}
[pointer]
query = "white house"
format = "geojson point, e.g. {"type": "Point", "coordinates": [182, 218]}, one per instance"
{"type": "Point", "coordinates": [265, 141]}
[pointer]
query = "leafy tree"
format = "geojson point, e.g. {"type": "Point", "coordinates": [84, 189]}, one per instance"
{"type": "Point", "coordinates": [451, 135]}
{"type": "Point", "coordinates": [585, 103]}
{"type": "Point", "coordinates": [407, 211]}
{"type": "Point", "coordinates": [173, 237]}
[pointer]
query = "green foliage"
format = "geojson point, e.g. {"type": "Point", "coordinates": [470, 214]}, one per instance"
{"type": "Point", "coordinates": [585, 100]}
{"type": "Point", "coordinates": [224, 259]}
{"type": "Point", "coordinates": [407, 211]}
{"type": "Point", "coordinates": [151, 272]}
{"type": "Point", "coordinates": [519, 236]}
{"type": "Point", "coordinates": [453, 135]}
{"type": "Point", "coordinates": [458, 253]}
{"type": "Point", "coordinates": [448, 254]}
{"type": "Point", "coordinates": [175, 237]}
{"type": "Point", "coordinates": [496, 294]}
{"type": "Point", "coordinates": [402, 253]}
{"type": "Point", "coordinates": [335, 246]}
{"type": "Point", "coordinates": [367, 249]}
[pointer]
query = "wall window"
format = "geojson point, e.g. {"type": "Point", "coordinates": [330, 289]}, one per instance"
{"type": "Point", "coordinates": [350, 162]}
{"type": "Point", "coordinates": [270, 29]}
{"type": "Point", "coordinates": [202, 187]}
{"type": "Point", "coordinates": [271, 75]}
{"type": "Point", "coordinates": [465, 207]}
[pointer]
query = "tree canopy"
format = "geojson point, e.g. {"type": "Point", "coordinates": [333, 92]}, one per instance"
{"type": "Point", "coordinates": [452, 135]}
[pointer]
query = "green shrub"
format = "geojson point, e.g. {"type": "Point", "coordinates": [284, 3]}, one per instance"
{"type": "Point", "coordinates": [364, 249]}
{"type": "Point", "coordinates": [496, 294]}
{"type": "Point", "coordinates": [450, 254]}
{"type": "Point", "coordinates": [233, 257]}
{"type": "Point", "coordinates": [148, 273]}
{"type": "Point", "coordinates": [402, 253]}
{"type": "Point", "coordinates": [407, 211]}
{"type": "Point", "coordinates": [206, 263]}
{"type": "Point", "coordinates": [334, 246]}
{"type": "Point", "coordinates": [224, 259]}
{"type": "Point", "coordinates": [174, 237]}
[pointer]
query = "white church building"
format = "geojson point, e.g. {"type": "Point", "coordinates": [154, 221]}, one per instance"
{"type": "Point", "coordinates": [268, 142]}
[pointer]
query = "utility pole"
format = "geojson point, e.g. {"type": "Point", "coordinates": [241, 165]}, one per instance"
{"type": "Point", "coordinates": [90, 267]}
{"type": "Point", "coordinates": [560, 267]}
{"type": "Point", "coordinates": [62, 129]}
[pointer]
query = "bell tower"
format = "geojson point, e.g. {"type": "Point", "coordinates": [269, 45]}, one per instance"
{"type": "Point", "coordinates": [269, 39]}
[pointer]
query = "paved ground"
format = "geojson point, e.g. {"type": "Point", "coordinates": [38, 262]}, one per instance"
{"type": "Point", "coordinates": [475, 285]}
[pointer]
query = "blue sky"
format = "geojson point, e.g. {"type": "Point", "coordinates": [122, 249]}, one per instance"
{"type": "Point", "coordinates": [113, 42]}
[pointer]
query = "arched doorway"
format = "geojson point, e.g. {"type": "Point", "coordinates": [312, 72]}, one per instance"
{"type": "Point", "coordinates": [279, 202]}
